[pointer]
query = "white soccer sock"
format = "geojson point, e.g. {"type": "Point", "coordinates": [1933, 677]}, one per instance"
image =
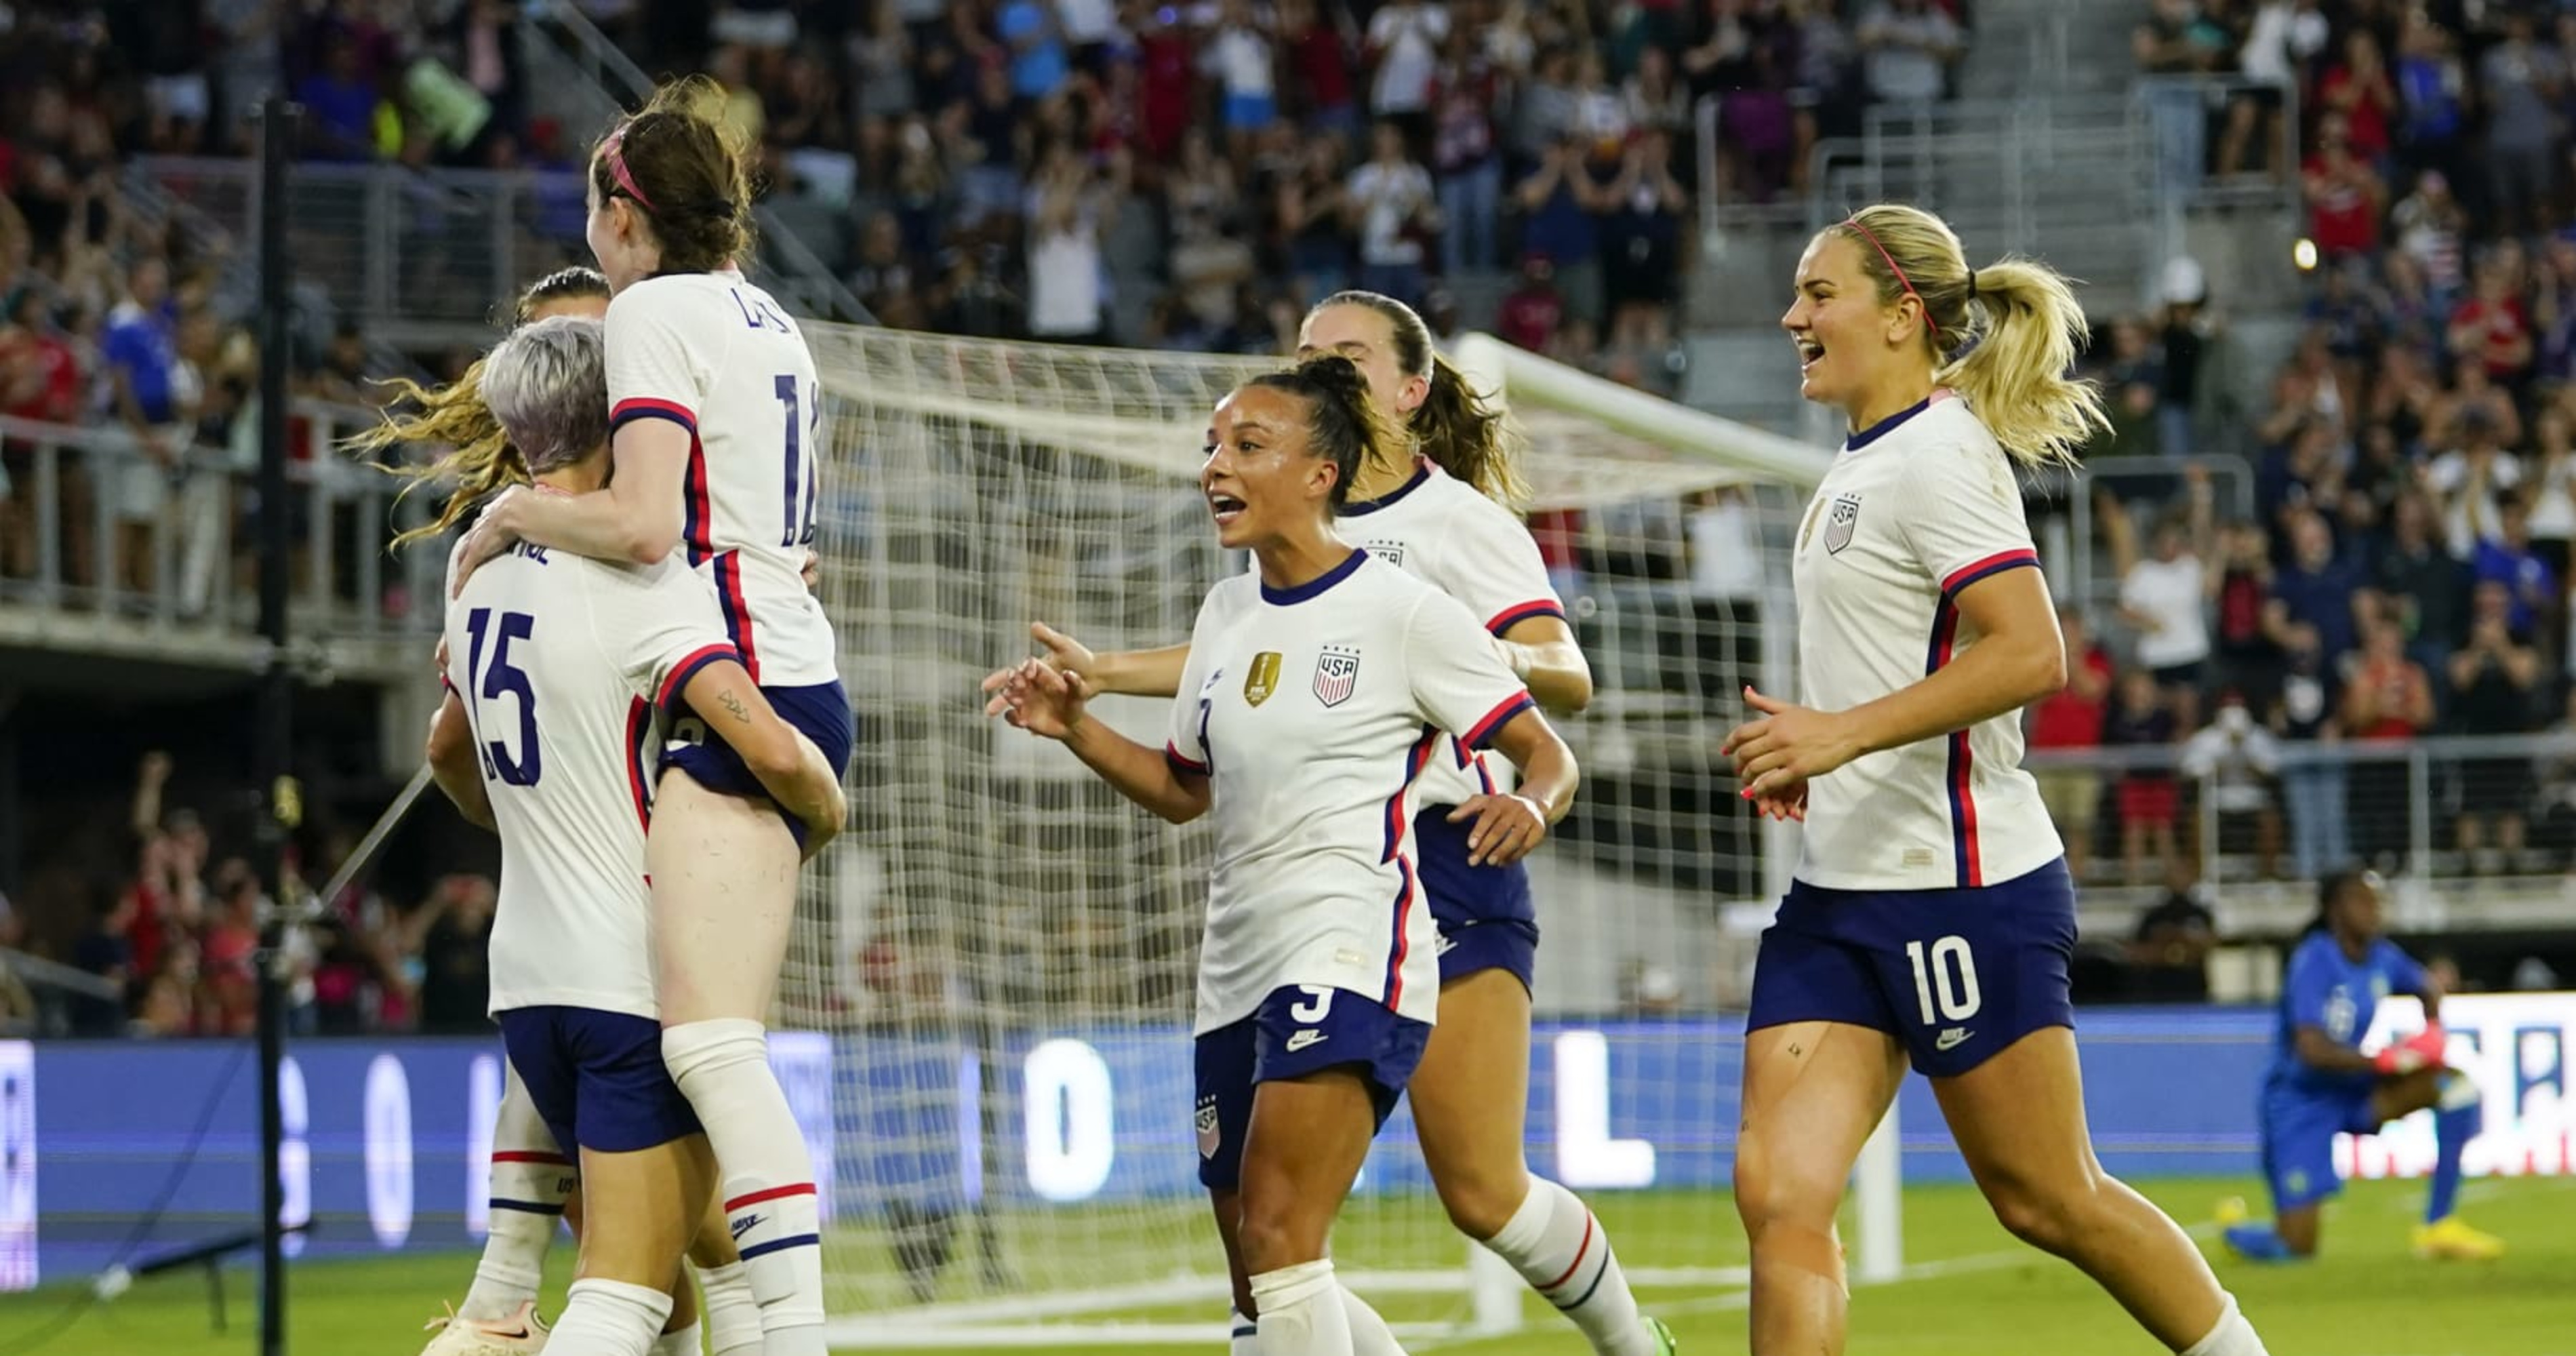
{"type": "Point", "coordinates": [722, 1066]}
{"type": "Point", "coordinates": [1557, 1245]}
{"type": "Point", "coordinates": [610, 1318]}
{"type": "Point", "coordinates": [1301, 1312]}
{"type": "Point", "coordinates": [2232, 1337]}
{"type": "Point", "coordinates": [529, 1186]}
{"type": "Point", "coordinates": [682, 1343]}
{"type": "Point", "coordinates": [1244, 1335]}
{"type": "Point", "coordinates": [1369, 1334]}
{"type": "Point", "coordinates": [732, 1311]}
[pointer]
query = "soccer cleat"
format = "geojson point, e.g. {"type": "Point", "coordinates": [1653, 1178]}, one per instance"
{"type": "Point", "coordinates": [521, 1334]}
{"type": "Point", "coordinates": [1664, 1343]}
{"type": "Point", "coordinates": [2450, 1239]}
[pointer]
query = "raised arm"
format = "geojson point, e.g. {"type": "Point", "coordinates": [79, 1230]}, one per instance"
{"type": "Point", "coordinates": [786, 763]}
{"type": "Point", "coordinates": [1045, 703]}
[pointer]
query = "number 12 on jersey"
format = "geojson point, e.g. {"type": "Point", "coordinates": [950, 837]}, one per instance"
{"type": "Point", "coordinates": [804, 479]}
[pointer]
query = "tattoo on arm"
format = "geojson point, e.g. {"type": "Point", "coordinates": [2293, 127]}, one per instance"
{"type": "Point", "coordinates": [734, 705]}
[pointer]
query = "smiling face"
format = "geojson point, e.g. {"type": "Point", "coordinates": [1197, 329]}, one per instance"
{"type": "Point", "coordinates": [1262, 478]}
{"type": "Point", "coordinates": [1850, 343]}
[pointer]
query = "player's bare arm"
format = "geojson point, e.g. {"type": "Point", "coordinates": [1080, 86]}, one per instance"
{"type": "Point", "coordinates": [1508, 827]}
{"type": "Point", "coordinates": [636, 518]}
{"type": "Point", "coordinates": [1051, 705]}
{"type": "Point", "coordinates": [452, 763]}
{"type": "Point", "coordinates": [1542, 653]}
{"type": "Point", "coordinates": [786, 763]}
{"type": "Point", "coordinates": [2018, 658]}
{"type": "Point", "coordinates": [1135, 673]}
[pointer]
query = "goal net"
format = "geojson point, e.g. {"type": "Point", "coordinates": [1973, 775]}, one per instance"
{"type": "Point", "coordinates": [1001, 949]}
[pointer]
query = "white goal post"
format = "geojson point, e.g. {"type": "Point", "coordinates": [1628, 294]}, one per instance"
{"type": "Point", "coordinates": [1001, 949]}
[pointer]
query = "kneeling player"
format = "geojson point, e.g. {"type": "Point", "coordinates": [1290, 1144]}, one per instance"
{"type": "Point", "coordinates": [1317, 686]}
{"type": "Point", "coordinates": [559, 668]}
{"type": "Point", "coordinates": [2321, 1084]}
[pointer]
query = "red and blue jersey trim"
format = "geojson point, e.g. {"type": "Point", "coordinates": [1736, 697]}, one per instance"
{"type": "Point", "coordinates": [1502, 714]}
{"type": "Point", "coordinates": [1182, 762]}
{"type": "Point", "coordinates": [1416, 757]}
{"type": "Point", "coordinates": [639, 733]}
{"type": "Point", "coordinates": [697, 515]}
{"type": "Point", "coordinates": [1520, 612]}
{"type": "Point", "coordinates": [1963, 803]}
{"type": "Point", "coordinates": [1995, 564]}
{"type": "Point", "coordinates": [736, 610]}
{"type": "Point", "coordinates": [668, 698]}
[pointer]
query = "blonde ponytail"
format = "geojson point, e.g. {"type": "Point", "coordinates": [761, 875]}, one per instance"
{"type": "Point", "coordinates": [480, 457]}
{"type": "Point", "coordinates": [2003, 336]}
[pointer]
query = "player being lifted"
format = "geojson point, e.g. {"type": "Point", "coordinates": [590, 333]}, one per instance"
{"type": "Point", "coordinates": [713, 400]}
{"type": "Point", "coordinates": [533, 1182]}
{"type": "Point", "coordinates": [1319, 683]}
{"type": "Point", "coordinates": [1931, 914]}
{"type": "Point", "coordinates": [1440, 504]}
{"type": "Point", "coordinates": [2321, 1085]}
{"type": "Point", "coordinates": [559, 670]}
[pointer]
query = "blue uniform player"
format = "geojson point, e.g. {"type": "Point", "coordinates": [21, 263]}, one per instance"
{"type": "Point", "coordinates": [2321, 1084]}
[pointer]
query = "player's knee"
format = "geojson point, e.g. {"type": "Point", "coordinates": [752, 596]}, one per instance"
{"type": "Point", "coordinates": [2052, 1222]}
{"type": "Point", "coordinates": [693, 1050]}
{"type": "Point", "coordinates": [1771, 1189]}
{"type": "Point", "coordinates": [1277, 1234]}
{"type": "Point", "coordinates": [1480, 1200]}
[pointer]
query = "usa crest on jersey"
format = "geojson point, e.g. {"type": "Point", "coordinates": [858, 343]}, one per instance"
{"type": "Point", "coordinates": [1210, 1137]}
{"type": "Point", "coordinates": [1337, 674]}
{"type": "Point", "coordinates": [1392, 552]}
{"type": "Point", "coordinates": [1840, 521]}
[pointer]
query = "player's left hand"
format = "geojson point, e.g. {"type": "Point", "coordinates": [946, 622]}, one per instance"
{"type": "Point", "coordinates": [493, 534]}
{"type": "Point", "coordinates": [1042, 701]}
{"type": "Point", "coordinates": [1786, 745]}
{"type": "Point", "coordinates": [1507, 828]}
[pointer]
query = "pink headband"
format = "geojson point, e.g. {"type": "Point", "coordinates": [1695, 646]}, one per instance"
{"type": "Point", "coordinates": [1892, 267]}
{"type": "Point", "coordinates": [616, 158]}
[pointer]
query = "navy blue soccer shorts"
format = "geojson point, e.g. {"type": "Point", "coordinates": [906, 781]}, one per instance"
{"type": "Point", "coordinates": [596, 1078]}
{"type": "Point", "coordinates": [820, 712]}
{"type": "Point", "coordinates": [2300, 1122]}
{"type": "Point", "coordinates": [1957, 975]}
{"type": "Point", "coordinates": [1484, 914]}
{"type": "Point", "coordinates": [1299, 1030]}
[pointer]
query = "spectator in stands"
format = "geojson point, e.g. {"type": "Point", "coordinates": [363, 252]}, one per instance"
{"type": "Point", "coordinates": [1530, 313]}
{"type": "Point", "coordinates": [2552, 493]}
{"type": "Point", "coordinates": [340, 104]}
{"type": "Point", "coordinates": [2169, 954]}
{"type": "Point", "coordinates": [456, 974]}
{"type": "Point", "coordinates": [2522, 81]}
{"type": "Point", "coordinates": [2387, 701]}
{"type": "Point", "coordinates": [2358, 89]}
{"type": "Point", "coordinates": [2280, 37]}
{"type": "Point", "coordinates": [1826, 85]}
{"type": "Point", "coordinates": [1391, 205]}
{"type": "Point", "coordinates": [41, 380]}
{"type": "Point", "coordinates": [2246, 657]}
{"type": "Point", "coordinates": [2307, 717]}
{"type": "Point", "coordinates": [2165, 596]}
{"type": "Point", "coordinates": [1559, 205]}
{"type": "Point", "coordinates": [2345, 196]}
{"type": "Point", "coordinates": [1065, 271]}
{"type": "Point", "coordinates": [2316, 600]}
{"type": "Point", "coordinates": [2423, 588]}
{"type": "Point", "coordinates": [2535, 606]}
{"type": "Point", "coordinates": [2232, 766]}
{"type": "Point", "coordinates": [2495, 678]}
{"type": "Point", "coordinates": [1404, 40]}
{"type": "Point", "coordinates": [2069, 721]}
{"type": "Point", "coordinates": [18, 1010]}
{"type": "Point", "coordinates": [1641, 246]}
{"type": "Point", "coordinates": [1906, 50]}
{"type": "Point", "coordinates": [140, 350]}
{"type": "Point", "coordinates": [104, 951]}
{"type": "Point", "coordinates": [2141, 723]}
{"type": "Point", "coordinates": [1467, 155]}
{"type": "Point", "coordinates": [2492, 329]}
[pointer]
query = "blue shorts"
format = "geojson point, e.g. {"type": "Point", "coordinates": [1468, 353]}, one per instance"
{"type": "Point", "coordinates": [820, 712]}
{"type": "Point", "coordinates": [1295, 1032]}
{"type": "Point", "coordinates": [1484, 913]}
{"type": "Point", "coordinates": [1957, 975]}
{"type": "Point", "coordinates": [2299, 1126]}
{"type": "Point", "coordinates": [596, 1078]}
{"type": "Point", "coordinates": [1250, 112]}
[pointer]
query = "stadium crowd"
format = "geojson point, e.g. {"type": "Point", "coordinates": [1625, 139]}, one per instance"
{"type": "Point", "coordinates": [2402, 569]}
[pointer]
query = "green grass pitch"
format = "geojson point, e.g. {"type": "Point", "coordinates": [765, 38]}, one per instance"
{"type": "Point", "coordinates": [1973, 1290]}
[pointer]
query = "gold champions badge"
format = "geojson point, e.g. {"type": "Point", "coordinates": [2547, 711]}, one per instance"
{"type": "Point", "coordinates": [1263, 679]}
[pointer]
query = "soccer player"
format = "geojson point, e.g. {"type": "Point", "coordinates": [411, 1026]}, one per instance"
{"type": "Point", "coordinates": [1931, 914]}
{"type": "Point", "coordinates": [1441, 506]}
{"type": "Point", "coordinates": [2321, 1084]}
{"type": "Point", "coordinates": [1319, 687]}
{"type": "Point", "coordinates": [533, 1182]}
{"type": "Point", "coordinates": [566, 667]}
{"type": "Point", "coordinates": [715, 405]}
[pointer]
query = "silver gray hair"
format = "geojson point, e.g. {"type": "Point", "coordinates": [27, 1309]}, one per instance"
{"type": "Point", "coordinates": [547, 386]}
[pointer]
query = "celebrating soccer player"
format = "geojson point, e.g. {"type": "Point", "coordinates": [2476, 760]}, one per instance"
{"type": "Point", "coordinates": [714, 403]}
{"type": "Point", "coordinates": [1440, 505]}
{"type": "Point", "coordinates": [1317, 688]}
{"type": "Point", "coordinates": [2321, 1085]}
{"type": "Point", "coordinates": [1931, 914]}
{"type": "Point", "coordinates": [558, 671]}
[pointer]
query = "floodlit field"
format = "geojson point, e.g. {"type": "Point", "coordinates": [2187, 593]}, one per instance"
{"type": "Point", "coordinates": [1970, 1290]}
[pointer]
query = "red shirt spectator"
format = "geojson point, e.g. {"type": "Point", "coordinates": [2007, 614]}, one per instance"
{"type": "Point", "coordinates": [44, 381]}
{"type": "Point", "coordinates": [2343, 201]}
{"type": "Point", "coordinates": [2492, 329]}
{"type": "Point", "coordinates": [1531, 312]}
{"type": "Point", "coordinates": [2072, 719]}
{"type": "Point", "coordinates": [2358, 88]}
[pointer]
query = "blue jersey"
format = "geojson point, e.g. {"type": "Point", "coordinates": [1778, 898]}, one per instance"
{"type": "Point", "coordinates": [2338, 995]}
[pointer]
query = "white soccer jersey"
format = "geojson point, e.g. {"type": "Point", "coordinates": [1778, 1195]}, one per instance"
{"type": "Point", "coordinates": [1314, 710]}
{"type": "Point", "coordinates": [1914, 509]}
{"type": "Point", "coordinates": [717, 356]}
{"type": "Point", "coordinates": [1445, 532]}
{"type": "Point", "coordinates": [565, 665]}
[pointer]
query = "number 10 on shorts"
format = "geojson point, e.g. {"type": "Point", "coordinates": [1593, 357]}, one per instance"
{"type": "Point", "coordinates": [1945, 973]}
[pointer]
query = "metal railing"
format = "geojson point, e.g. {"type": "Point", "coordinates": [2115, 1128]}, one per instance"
{"type": "Point", "coordinates": [2231, 484]}
{"type": "Point", "coordinates": [120, 536]}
